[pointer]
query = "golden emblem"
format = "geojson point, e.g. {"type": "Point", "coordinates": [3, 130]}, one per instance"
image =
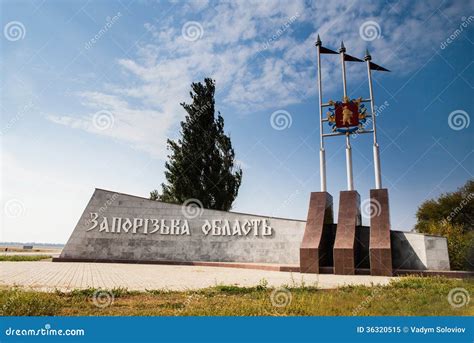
{"type": "Point", "coordinates": [347, 115]}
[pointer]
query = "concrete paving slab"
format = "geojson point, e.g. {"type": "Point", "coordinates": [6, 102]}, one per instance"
{"type": "Point", "coordinates": [66, 276]}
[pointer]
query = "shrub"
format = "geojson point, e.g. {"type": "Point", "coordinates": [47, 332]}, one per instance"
{"type": "Point", "coordinates": [22, 303]}
{"type": "Point", "coordinates": [455, 207]}
{"type": "Point", "coordinates": [460, 243]}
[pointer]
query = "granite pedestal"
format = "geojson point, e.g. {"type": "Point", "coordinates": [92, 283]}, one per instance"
{"type": "Point", "coordinates": [380, 251]}
{"type": "Point", "coordinates": [344, 245]}
{"type": "Point", "coordinates": [315, 247]}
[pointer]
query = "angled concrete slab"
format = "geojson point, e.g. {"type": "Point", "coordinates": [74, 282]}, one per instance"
{"type": "Point", "coordinates": [380, 251]}
{"type": "Point", "coordinates": [315, 247]}
{"type": "Point", "coordinates": [344, 245]}
{"type": "Point", "coordinates": [122, 227]}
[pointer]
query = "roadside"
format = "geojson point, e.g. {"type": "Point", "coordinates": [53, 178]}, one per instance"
{"type": "Point", "coordinates": [67, 276]}
{"type": "Point", "coordinates": [409, 296]}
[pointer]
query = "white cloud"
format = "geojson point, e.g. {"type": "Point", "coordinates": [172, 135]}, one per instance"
{"type": "Point", "coordinates": [139, 127]}
{"type": "Point", "coordinates": [248, 77]}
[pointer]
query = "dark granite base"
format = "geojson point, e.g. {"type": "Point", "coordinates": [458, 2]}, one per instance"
{"type": "Point", "coordinates": [379, 246]}
{"type": "Point", "coordinates": [345, 243]}
{"type": "Point", "coordinates": [316, 248]}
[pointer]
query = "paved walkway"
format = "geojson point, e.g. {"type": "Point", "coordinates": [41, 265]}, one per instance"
{"type": "Point", "coordinates": [34, 253]}
{"type": "Point", "coordinates": [48, 276]}
{"type": "Point", "coordinates": [15, 251]}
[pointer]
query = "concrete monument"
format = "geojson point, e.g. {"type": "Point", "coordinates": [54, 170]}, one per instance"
{"type": "Point", "coordinates": [345, 118]}
{"type": "Point", "coordinates": [116, 227]}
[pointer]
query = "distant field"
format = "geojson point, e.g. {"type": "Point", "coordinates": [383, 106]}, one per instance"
{"type": "Point", "coordinates": [9, 248]}
{"type": "Point", "coordinates": [22, 258]}
{"type": "Point", "coordinates": [409, 296]}
{"type": "Point", "coordinates": [21, 250]}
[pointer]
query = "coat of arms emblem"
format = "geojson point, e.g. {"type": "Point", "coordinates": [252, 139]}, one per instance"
{"type": "Point", "coordinates": [346, 116]}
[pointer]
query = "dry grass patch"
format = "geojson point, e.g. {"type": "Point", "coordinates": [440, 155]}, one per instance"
{"type": "Point", "coordinates": [23, 258]}
{"type": "Point", "coordinates": [407, 297]}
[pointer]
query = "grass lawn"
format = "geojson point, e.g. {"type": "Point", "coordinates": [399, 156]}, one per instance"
{"type": "Point", "coordinates": [410, 296]}
{"type": "Point", "coordinates": [22, 258]}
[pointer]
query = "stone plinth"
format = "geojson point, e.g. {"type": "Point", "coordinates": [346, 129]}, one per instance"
{"type": "Point", "coordinates": [314, 246]}
{"type": "Point", "coordinates": [380, 251]}
{"type": "Point", "coordinates": [344, 245]}
{"type": "Point", "coordinates": [121, 227]}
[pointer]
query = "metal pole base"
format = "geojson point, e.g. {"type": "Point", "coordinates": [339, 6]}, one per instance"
{"type": "Point", "coordinates": [378, 177]}
{"type": "Point", "coordinates": [350, 180]}
{"type": "Point", "coordinates": [322, 169]}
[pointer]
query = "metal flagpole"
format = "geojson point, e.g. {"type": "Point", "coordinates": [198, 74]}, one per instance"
{"type": "Point", "coordinates": [322, 153]}
{"type": "Point", "coordinates": [378, 177]}
{"type": "Point", "coordinates": [350, 180]}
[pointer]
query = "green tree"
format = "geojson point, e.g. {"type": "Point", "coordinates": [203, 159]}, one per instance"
{"type": "Point", "coordinates": [201, 162]}
{"type": "Point", "coordinates": [460, 244]}
{"type": "Point", "coordinates": [455, 207]}
{"type": "Point", "coordinates": [154, 195]}
{"type": "Point", "coordinates": [452, 216]}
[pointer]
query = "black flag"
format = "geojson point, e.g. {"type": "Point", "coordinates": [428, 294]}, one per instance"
{"type": "Point", "coordinates": [374, 66]}
{"type": "Point", "coordinates": [350, 58]}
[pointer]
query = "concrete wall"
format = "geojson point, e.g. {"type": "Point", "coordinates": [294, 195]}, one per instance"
{"type": "Point", "coordinates": [281, 247]}
{"type": "Point", "coordinates": [419, 251]}
{"type": "Point", "coordinates": [436, 250]}
{"type": "Point", "coordinates": [409, 250]}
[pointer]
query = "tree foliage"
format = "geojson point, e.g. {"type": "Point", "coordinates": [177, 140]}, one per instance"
{"type": "Point", "coordinates": [154, 195]}
{"type": "Point", "coordinates": [201, 162]}
{"type": "Point", "coordinates": [455, 207]}
{"type": "Point", "coordinates": [460, 244]}
{"type": "Point", "coordinates": [452, 216]}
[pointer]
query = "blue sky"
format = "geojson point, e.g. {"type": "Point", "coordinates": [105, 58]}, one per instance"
{"type": "Point", "coordinates": [90, 91]}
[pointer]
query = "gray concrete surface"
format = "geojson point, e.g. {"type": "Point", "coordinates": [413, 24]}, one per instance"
{"type": "Point", "coordinates": [409, 250]}
{"type": "Point", "coordinates": [419, 252]}
{"type": "Point", "coordinates": [282, 246]}
{"type": "Point", "coordinates": [65, 276]}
